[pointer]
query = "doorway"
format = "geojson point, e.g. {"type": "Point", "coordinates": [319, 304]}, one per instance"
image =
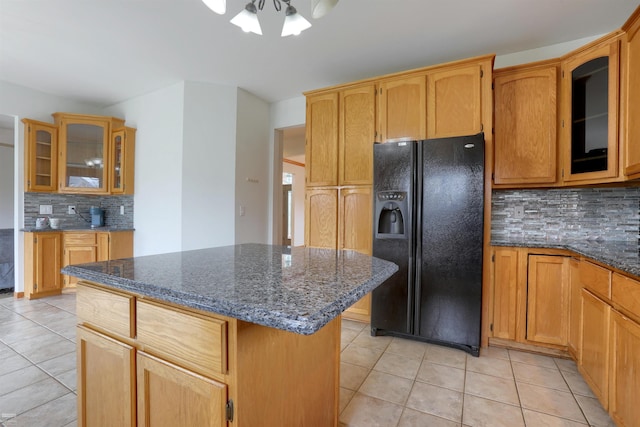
{"type": "Point", "coordinates": [7, 196]}
{"type": "Point", "coordinates": [293, 186]}
{"type": "Point", "coordinates": [287, 219]}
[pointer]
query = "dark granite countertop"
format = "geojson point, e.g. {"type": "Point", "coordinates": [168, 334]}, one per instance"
{"type": "Point", "coordinates": [298, 290]}
{"type": "Point", "coordinates": [622, 255]}
{"type": "Point", "coordinates": [44, 230]}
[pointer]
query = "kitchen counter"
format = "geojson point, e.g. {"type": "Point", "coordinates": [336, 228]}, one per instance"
{"type": "Point", "coordinates": [622, 255]}
{"type": "Point", "coordinates": [261, 348]}
{"type": "Point", "coordinates": [105, 229]}
{"type": "Point", "coordinates": [298, 290]}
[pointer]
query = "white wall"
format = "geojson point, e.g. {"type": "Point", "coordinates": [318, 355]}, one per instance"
{"type": "Point", "coordinates": [7, 159]}
{"type": "Point", "coordinates": [297, 211]}
{"type": "Point", "coordinates": [158, 118]}
{"type": "Point", "coordinates": [252, 169]}
{"type": "Point", "coordinates": [542, 53]}
{"type": "Point", "coordinates": [208, 165]}
{"type": "Point", "coordinates": [24, 102]}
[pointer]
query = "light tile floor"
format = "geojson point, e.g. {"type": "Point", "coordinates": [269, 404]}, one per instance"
{"type": "Point", "coordinates": [387, 382]}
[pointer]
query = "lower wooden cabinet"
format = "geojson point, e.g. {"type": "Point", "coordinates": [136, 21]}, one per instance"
{"type": "Point", "coordinates": [530, 297]}
{"type": "Point", "coordinates": [594, 355]}
{"type": "Point", "coordinates": [170, 396]}
{"type": "Point", "coordinates": [575, 309]}
{"type": "Point", "coordinates": [106, 380]}
{"type": "Point", "coordinates": [548, 299]}
{"type": "Point", "coordinates": [624, 382]}
{"type": "Point", "coordinates": [42, 264]}
{"type": "Point", "coordinates": [47, 252]}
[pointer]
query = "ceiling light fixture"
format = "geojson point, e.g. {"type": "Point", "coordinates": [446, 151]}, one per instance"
{"type": "Point", "coordinates": [294, 23]}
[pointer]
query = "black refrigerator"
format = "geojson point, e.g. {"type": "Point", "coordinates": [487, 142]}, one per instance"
{"type": "Point", "coordinates": [428, 219]}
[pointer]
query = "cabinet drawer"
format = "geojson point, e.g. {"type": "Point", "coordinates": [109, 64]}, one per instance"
{"type": "Point", "coordinates": [626, 293]}
{"type": "Point", "coordinates": [195, 342]}
{"type": "Point", "coordinates": [109, 311]}
{"type": "Point", "coordinates": [79, 239]}
{"type": "Point", "coordinates": [596, 279]}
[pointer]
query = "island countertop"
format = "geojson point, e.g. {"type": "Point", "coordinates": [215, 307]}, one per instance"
{"type": "Point", "coordinates": [298, 290]}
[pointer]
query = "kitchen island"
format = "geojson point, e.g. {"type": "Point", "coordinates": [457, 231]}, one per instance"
{"type": "Point", "coordinates": [245, 335]}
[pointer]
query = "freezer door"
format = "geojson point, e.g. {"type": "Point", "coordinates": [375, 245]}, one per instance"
{"type": "Point", "coordinates": [393, 235]}
{"type": "Point", "coordinates": [449, 251]}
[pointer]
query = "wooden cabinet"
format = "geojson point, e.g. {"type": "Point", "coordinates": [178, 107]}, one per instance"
{"type": "Point", "coordinates": [594, 355]}
{"type": "Point", "coordinates": [78, 248]}
{"type": "Point", "coordinates": [454, 101]}
{"type": "Point", "coordinates": [357, 135]}
{"type": "Point", "coordinates": [530, 298]}
{"type": "Point", "coordinates": [42, 264]}
{"type": "Point", "coordinates": [548, 299]}
{"type": "Point", "coordinates": [114, 245]}
{"type": "Point", "coordinates": [84, 153]}
{"type": "Point", "coordinates": [624, 381]}
{"type": "Point", "coordinates": [79, 154]}
{"type": "Point", "coordinates": [121, 161]}
{"type": "Point", "coordinates": [525, 116]}
{"type": "Point", "coordinates": [169, 395]}
{"type": "Point", "coordinates": [41, 156]}
{"type": "Point", "coordinates": [631, 94]}
{"type": "Point", "coordinates": [322, 140]}
{"type": "Point", "coordinates": [505, 292]}
{"type": "Point", "coordinates": [590, 93]}
{"type": "Point", "coordinates": [575, 309]}
{"type": "Point", "coordinates": [106, 380]}
{"type": "Point", "coordinates": [164, 365]}
{"type": "Point", "coordinates": [321, 218]}
{"type": "Point", "coordinates": [402, 108]}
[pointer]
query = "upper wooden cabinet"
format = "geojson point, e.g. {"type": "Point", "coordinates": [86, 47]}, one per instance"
{"type": "Point", "coordinates": [454, 101]}
{"type": "Point", "coordinates": [525, 117]}
{"type": "Point", "coordinates": [79, 154]}
{"type": "Point", "coordinates": [357, 134]}
{"type": "Point", "coordinates": [41, 155]}
{"type": "Point", "coordinates": [402, 108]}
{"type": "Point", "coordinates": [321, 156]}
{"type": "Point", "coordinates": [631, 73]}
{"type": "Point", "coordinates": [590, 105]}
{"type": "Point", "coordinates": [121, 161]}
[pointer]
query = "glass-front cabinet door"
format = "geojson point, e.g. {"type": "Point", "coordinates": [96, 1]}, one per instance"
{"type": "Point", "coordinates": [121, 161]}
{"type": "Point", "coordinates": [40, 156]}
{"type": "Point", "coordinates": [84, 147]}
{"type": "Point", "coordinates": [590, 116]}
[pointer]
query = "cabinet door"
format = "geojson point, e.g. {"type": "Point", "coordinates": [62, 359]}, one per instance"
{"type": "Point", "coordinates": [632, 94]}
{"type": "Point", "coordinates": [106, 381]}
{"type": "Point", "coordinates": [41, 155]}
{"type": "Point", "coordinates": [84, 154]}
{"type": "Point", "coordinates": [454, 102]}
{"type": "Point", "coordinates": [575, 309]}
{"type": "Point", "coordinates": [322, 140]}
{"type": "Point", "coordinates": [357, 135]}
{"type": "Point", "coordinates": [48, 259]}
{"type": "Point", "coordinates": [321, 218]}
{"type": "Point", "coordinates": [505, 291]}
{"type": "Point", "coordinates": [594, 355]}
{"type": "Point", "coordinates": [402, 109]}
{"type": "Point", "coordinates": [169, 395]}
{"type": "Point", "coordinates": [121, 161]}
{"type": "Point", "coordinates": [356, 206]}
{"type": "Point", "coordinates": [624, 385]}
{"type": "Point", "coordinates": [548, 299]}
{"type": "Point", "coordinates": [590, 88]}
{"type": "Point", "coordinates": [525, 126]}
{"type": "Point", "coordinates": [78, 255]}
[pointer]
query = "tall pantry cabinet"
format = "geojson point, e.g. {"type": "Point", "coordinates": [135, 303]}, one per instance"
{"type": "Point", "coordinates": [344, 122]}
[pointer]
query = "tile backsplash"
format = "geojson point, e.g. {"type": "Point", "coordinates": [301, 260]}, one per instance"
{"type": "Point", "coordinates": [60, 202]}
{"type": "Point", "coordinates": [567, 214]}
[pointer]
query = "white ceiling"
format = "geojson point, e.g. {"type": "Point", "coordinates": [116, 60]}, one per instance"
{"type": "Point", "coordinates": [107, 51]}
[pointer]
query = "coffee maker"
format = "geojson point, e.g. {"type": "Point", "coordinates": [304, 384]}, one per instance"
{"type": "Point", "coordinates": [97, 217]}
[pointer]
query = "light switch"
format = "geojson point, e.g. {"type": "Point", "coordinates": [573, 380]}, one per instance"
{"type": "Point", "coordinates": [46, 209]}
{"type": "Point", "coordinates": [242, 210]}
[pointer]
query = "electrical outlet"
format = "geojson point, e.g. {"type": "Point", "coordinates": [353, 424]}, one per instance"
{"type": "Point", "coordinates": [242, 210]}
{"type": "Point", "coordinates": [519, 212]}
{"type": "Point", "coordinates": [71, 210]}
{"type": "Point", "coordinates": [121, 209]}
{"type": "Point", "coordinates": [46, 209]}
